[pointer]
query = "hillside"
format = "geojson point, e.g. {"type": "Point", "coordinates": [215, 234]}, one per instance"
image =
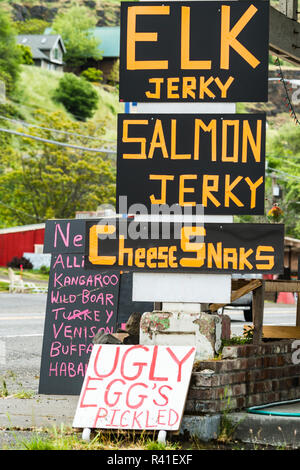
{"type": "Point", "coordinates": [107, 11]}
{"type": "Point", "coordinates": [36, 89]}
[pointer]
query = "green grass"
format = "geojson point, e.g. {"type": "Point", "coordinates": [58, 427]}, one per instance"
{"type": "Point", "coordinates": [36, 88]}
{"type": "Point", "coordinates": [67, 439]}
{"type": "Point", "coordinates": [4, 286]}
{"type": "Point", "coordinates": [30, 274]}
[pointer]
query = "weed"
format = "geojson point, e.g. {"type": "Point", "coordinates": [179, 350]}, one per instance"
{"type": "Point", "coordinates": [3, 390]}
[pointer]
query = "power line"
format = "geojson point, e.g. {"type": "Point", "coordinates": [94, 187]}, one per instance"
{"type": "Point", "coordinates": [55, 142]}
{"type": "Point", "coordinates": [27, 124]}
{"type": "Point", "coordinates": [45, 109]}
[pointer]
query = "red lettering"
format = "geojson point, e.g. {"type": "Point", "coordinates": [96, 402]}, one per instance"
{"type": "Point", "coordinates": [114, 366]}
{"type": "Point", "coordinates": [163, 396]}
{"type": "Point", "coordinates": [180, 363]}
{"type": "Point", "coordinates": [118, 394]}
{"type": "Point", "coordinates": [135, 419]}
{"type": "Point", "coordinates": [100, 416]}
{"type": "Point", "coordinates": [142, 397]}
{"type": "Point", "coordinates": [139, 364]}
{"type": "Point", "coordinates": [152, 368]}
{"type": "Point", "coordinates": [86, 388]}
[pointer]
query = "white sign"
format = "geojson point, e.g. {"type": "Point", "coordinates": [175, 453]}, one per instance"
{"type": "Point", "coordinates": [135, 387]}
{"type": "Point", "coordinates": [176, 287]}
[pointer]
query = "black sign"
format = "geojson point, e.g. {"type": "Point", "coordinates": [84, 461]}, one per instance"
{"type": "Point", "coordinates": [160, 247]}
{"type": "Point", "coordinates": [217, 161]}
{"type": "Point", "coordinates": [81, 302]}
{"type": "Point", "coordinates": [194, 51]}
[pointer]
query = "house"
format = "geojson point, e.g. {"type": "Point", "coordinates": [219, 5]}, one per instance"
{"type": "Point", "coordinates": [109, 46]}
{"type": "Point", "coordinates": [15, 241]}
{"type": "Point", "coordinates": [109, 39]}
{"type": "Point", "coordinates": [47, 49]}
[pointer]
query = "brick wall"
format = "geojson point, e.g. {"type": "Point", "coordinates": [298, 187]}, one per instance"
{"type": "Point", "coordinates": [246, 376]}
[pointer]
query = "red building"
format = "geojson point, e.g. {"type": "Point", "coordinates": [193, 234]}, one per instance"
{"type": "Point", "coordinates": [14, 241]}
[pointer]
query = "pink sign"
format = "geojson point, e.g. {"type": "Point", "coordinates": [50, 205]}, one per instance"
{"type": "Point", "coordinates": [135, 387]}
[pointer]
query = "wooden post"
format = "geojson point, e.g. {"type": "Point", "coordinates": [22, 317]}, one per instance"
{"type": "Point", "coordinates": [258, 312]}
{"type": "Point", "coordinates": [298, 310]}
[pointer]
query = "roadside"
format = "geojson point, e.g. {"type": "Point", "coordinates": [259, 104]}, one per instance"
{"type": "Point", "coordinates": [26, 415]}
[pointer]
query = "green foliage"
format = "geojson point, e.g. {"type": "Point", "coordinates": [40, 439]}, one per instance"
{"type": "Point", "coordinates": [9, 53]}
{"type": "Point", "coordinates": [77, 95]}
{"type": "Point", "coordinates": [92, 75]}
{"type": "Point", "coordinates": [113, 77]}
{"type": "Point", "coordinates": [75, 26]}
{"type": "Point", "coordinates": [49, 181]}
{"type": "Point", "coordinates": [26, 54]}
{"type": "Point", "coordinates": [31, 26]}
{"type": "Point", "coordinates": [283, 150]}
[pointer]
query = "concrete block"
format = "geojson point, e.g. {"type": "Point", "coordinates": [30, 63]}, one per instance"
{"type": "Point", "coordinates": [201, 330]}
{"type": "Point", "coordinates": [205, 428]}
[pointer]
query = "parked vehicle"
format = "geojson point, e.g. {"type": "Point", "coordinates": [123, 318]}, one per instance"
{"type": "Point", "coordinates": [244, 303]}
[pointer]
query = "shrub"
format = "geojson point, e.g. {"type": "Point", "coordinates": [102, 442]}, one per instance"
{"type": "Point", "coordinates": [26, 54]}
{"type": "Point", "coordinates": [92, 75]}
{"type": "Point", "coordinates": [77, 95]}
{"type": "Point", "coordinates": [16, 263]}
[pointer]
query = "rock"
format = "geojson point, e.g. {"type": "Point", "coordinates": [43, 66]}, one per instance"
{"type": "Point", "coordinates": [105, 338]}
{"type": "Point", "coordinates": [20, 13]}
{"type": "Point", "coordinates": [131, 339]}
{"type": "Point", "coordinates": [133, 324]}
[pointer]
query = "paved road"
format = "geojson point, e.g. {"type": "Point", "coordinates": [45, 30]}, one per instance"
{"type": "Point", "coordinates": [21, 335]}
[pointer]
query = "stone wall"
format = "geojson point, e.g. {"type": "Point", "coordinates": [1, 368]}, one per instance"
{"type": "Point", "coordinates": [247, 375]}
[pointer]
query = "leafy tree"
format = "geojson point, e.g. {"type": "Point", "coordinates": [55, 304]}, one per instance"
{"type": "Point", "coordinates": [283, 151]}
{"type": "Point", "coordinates": [26, 54]}
{"type": "Point", "coordinates": [9, 53]}
{"type": "Point", "coordinates": [77, 95]}
{"type": "Point", "coordinates": [75, 26]}
{"type": "Point", "coordinates": [31, 26]}
{"type": "Point", "coordinates": [53, 181]}
{"type": "Point", "coordinates": [92, 75]}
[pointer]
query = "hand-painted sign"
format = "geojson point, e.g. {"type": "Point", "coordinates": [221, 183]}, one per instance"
{"type": "Point", "coordinates": [209, 248]}
{"type": "Point", "coordinates": [81, 302]}
{"type": "Point", "coordinates": [194, 51]}
{"type": "Point", "coordinates": [135, 387]}
{"type": "Point", "coordinates": [217, 161]}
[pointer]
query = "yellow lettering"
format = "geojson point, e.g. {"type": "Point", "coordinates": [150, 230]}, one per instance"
{"type": "Point", "coordinates": [208, 189]}
{"type": "Point", "coordinates": [228, 191]}
{"type": "Point", "coordinates": [133, 37]}
{"type": "Point", "coordinates": [224, 87]}
{"type": "Point", "coordinates": [183, 189]}
{"type": "Point", "coordinates": [211, 127]}
{"type": "Point", "coordinates": [174, 155]}
{"type": "Point", "coordinates": [230, 257]}
{"type": "Point", "coordinates": [204, 84]}
{"type": "Point", "coordinates": [187, 246]}
{"type": "Point", "coordinates": [253, 187]}
{"type": "Point", "coordinates": [163, 192]}
{"type": "Point", "coordinates": [248, 136]}
{"type": "Point", "coordinates": [228, 37]}
{"type": "Point", "coordinates": [123, 251]}
{"type": "Point", "coordinates": [186, 63]}
{"type": "Point", "coordinates": [157, 90]}
{"type": "Point", "coordinates": [172, 88]}
{"type": "Point", "coordinates": [260, 257]}
{"type": "Point", "coordinates": [225, 124]}
{"type": "Point", "coordinates": [214, 254]}
{"type": "Point", "coordinates": [140, 140]}
{"type": "Point", "coordinates": [94, 258]}
{"type": "Point", "coordinates": [158, 140]}
{"type": "Point", "coordinates": [189, 87]}
{"type": "Point", "coordinates": [243, 258]}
